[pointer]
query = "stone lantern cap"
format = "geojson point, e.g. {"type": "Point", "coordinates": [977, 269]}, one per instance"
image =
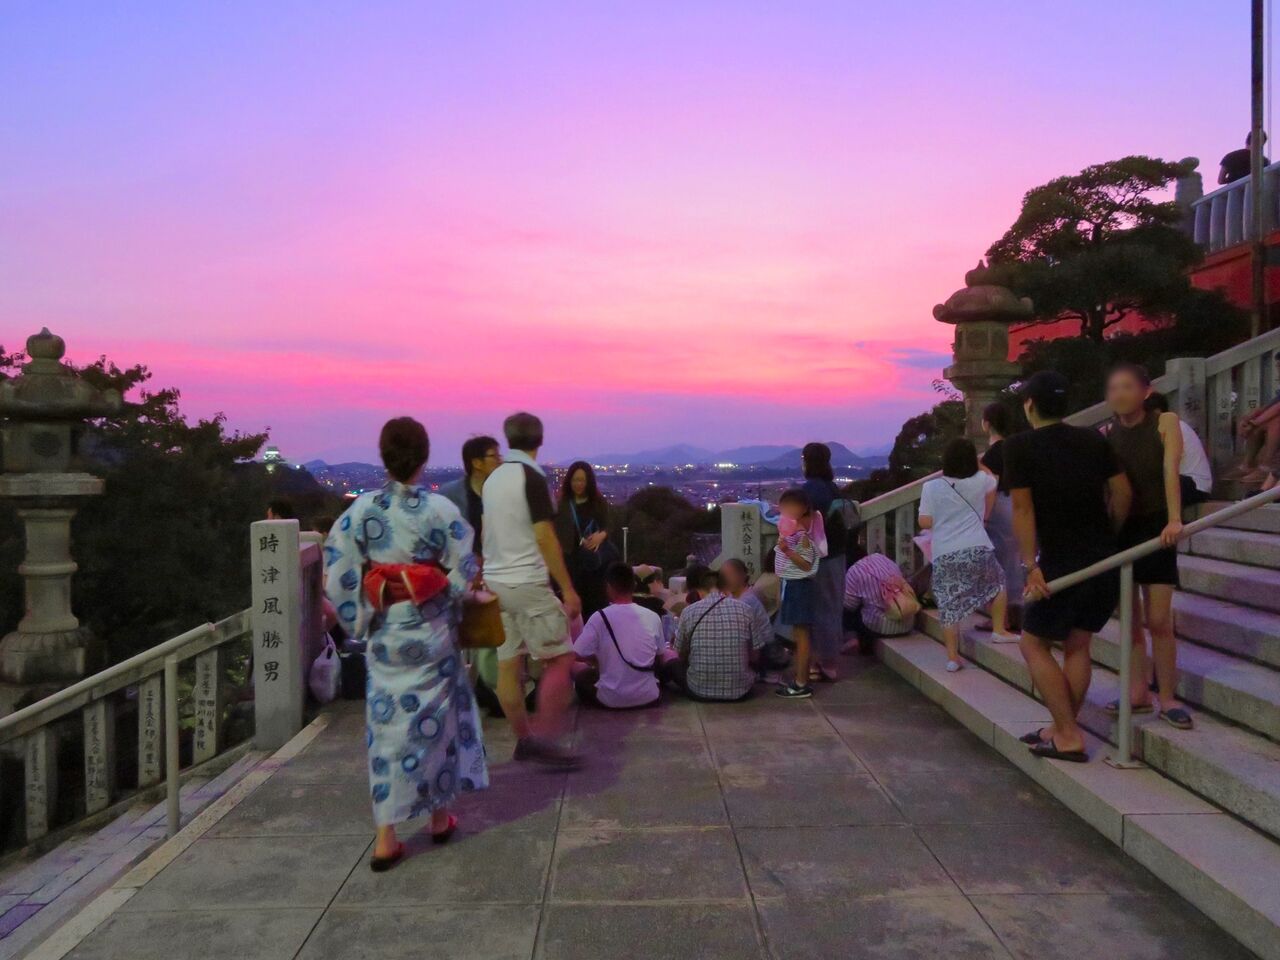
{"type": "Point", "coordinates": [978, 301]}
{"type": "Point", "coordinates": [49, 390]}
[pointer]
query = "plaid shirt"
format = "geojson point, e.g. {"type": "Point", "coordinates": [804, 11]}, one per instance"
{"type": "Point", "coordinates": [716, 636]}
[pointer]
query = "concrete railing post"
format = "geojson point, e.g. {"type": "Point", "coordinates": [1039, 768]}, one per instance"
{"type": "Point", "coordinates": [1189, 399]}
{"type": "Point", "coordinates": [279, 673]}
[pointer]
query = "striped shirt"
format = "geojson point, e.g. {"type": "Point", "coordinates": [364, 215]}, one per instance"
{"type": "Point", "coordinates": [864, 591]}
{"type": "Point", "coordinates": [783, 565]}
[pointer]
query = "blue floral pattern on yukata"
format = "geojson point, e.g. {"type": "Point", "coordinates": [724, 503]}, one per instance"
{"type": "Point", "coordinates": [424, 738]}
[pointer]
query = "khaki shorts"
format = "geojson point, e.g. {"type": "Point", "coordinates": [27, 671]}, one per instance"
{"type": "Point", "coordinates": [533, 620]}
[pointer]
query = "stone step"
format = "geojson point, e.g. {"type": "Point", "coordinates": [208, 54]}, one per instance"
{"type": "Point", "coordinates": [1223, 867]}
{"type": "Point", "coordinates": [1263, 520]}
{"type": "Point", "coordinates": [1248, 547]}
{"type": "Point", "coordinates": [1255, 587]}
{"type": "Point", "coordinates": [1242, 692]}
{"type": "Point", "coordinates": [1238, 771]}
{"type": "Point", "coordinates": [1240, 631]}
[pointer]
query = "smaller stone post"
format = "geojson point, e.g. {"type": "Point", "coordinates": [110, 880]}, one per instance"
{"type": "Point", "coordinates": [982, 314]}
{"type": "Point", "coordinates": [279, 673]}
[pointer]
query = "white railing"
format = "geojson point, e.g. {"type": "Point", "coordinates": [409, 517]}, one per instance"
{"type": "Point", "coordinates": [1224, 218]}
{"type": "Point", "coordinates": [1211, 394]}
{"type": "Point", "coordinates": [193, 669]}
{"type": "Point", "coordinates": [1124, 561]}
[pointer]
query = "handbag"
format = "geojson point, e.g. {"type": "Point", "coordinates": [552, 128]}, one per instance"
{"type": "Point", "coordinates": [481, 627]}
{"type": "Point", "coordinates": [589, 561]}
{"type": "Point", "coordinates": [325, 676]}
{"type": "Point", "coordinates": [899, 600]}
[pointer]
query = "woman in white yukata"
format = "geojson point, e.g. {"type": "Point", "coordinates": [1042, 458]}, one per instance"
{"type": "Point", "coordinates": [396, 566]}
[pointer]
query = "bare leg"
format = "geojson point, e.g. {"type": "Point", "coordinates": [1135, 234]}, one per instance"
{"type": "Point", "coordinates": [951, 637]}
{"type": "Point", "coordinates": [1270, 444]}
{"type": "Point", "coordinates": [1078, 667]}
{"type": "Point", "coordinates": [1164, 645]}
{"type": "Point", "coordinates": [1000, 613]}
{"type": "Point", "coordinates": [1139, 695]}
{"type": "Point", "coordinates": [800, 660]}
{"type": "Point", "coordinates": [386, 844]}
{"type": "Point", "coordinates": [1052, 684]}
{"type": "Point", "coordinates": [555, 690]}
{"type": "Point", "coordinates": [511, 695]}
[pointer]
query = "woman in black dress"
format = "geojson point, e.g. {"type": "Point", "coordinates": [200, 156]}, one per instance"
{"type": "Point", "coordinates": [582, 524]}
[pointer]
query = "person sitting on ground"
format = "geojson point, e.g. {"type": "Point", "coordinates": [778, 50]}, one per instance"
{"type": "Point", "coordinates": [966, 574]}
{"type": "Point", "coordinates": [873, 585]}
{"type": "Point", "coordinates": [651, 593]}
{"type": "Point", "coordinates": [1238, 164]}
{"type": "Point", "coordinates": [619, 648]}
{"type": "Point", "coordinates": [1070, 498]}
{"type": "Point", "coordinates": [715, 642]}
{"type": "Point", "coordinates": [281, 509]}
{"type": "Point", "coordinates": [734, 580]}
{"type": "Point", "coordinates": [698, 581]}
{"type": "Point", "coordinates": [1195, 474]}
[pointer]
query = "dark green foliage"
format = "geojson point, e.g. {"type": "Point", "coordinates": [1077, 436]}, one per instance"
{"type": "Point", "coordinates": [661, 524]}
{"type": "Point", "coordinates": [1097, 247]}
{"type": "Point", "coordinates": [1207, 324]}
{"type": "Point", "coordinates": [917, 450]}
{"type": "Point", "coordinates": [165, 547]}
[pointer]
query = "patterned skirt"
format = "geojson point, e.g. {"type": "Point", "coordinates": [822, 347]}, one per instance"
{"type": "Point", "coordinates": [964, 580]}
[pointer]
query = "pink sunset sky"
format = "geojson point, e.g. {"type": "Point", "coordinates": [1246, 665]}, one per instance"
{"type": "Point", "coordinates": [713, 223]}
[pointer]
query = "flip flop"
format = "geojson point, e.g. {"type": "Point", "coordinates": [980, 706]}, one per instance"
{"type": "Point", "coordinates": [1034, 737]}
{"type": "Point", "coordinates": [1050, 751]}
{"type": "Point", "coordinates": [1177, 717]}
{"type": "Point", "coordinates": [444, 835]}
{"type": "Point", "coordinates": [383, 864]}
{"type": "Point", "coordinates": [1113, 708]}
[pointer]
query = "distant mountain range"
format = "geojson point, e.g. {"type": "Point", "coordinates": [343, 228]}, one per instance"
{"type": "Point", "coordinates": [780, 456]}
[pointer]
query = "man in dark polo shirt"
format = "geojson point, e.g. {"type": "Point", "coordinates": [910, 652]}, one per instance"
{"type": "Point", "coordinates": [480, 457]}
{"type": "Point", "coordinates": [1237, 164]}
{"type": "Point", "coordinates": [1070, 496]}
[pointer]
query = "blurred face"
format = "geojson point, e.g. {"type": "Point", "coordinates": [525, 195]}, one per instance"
{"type": "Point", "coordinates": [483, 466]}
{"type": "Point", "coordinates": [578, 483]}
{"type": "Point", "coordinates": [735, 581]}
{"type": "Point", "coordinates": [1125, 393]}
{"type": "Point", "coordinates": [791, 510]}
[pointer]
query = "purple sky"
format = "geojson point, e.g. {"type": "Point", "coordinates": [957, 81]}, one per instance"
{"type": "Point", "coordinates": [716, 223]}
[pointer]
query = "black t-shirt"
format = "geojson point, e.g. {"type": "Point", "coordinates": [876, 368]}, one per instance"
{"type": "Point", "coordinates": [993, 460]}
{"type": "Point", "coordinates": [1237, 165]}
{"type": "Point", "coordinates": [1066, 469]}
{"type": "Point", "coordinates": [475, 513]}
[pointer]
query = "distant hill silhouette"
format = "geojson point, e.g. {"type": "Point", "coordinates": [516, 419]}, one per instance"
{"type": "Point", "coordinates": [770, 455]}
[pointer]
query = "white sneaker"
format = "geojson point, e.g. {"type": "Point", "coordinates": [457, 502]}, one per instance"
{"type": "Point", "coordinates": [953, 666]}
{"type": "Point", "coordinates": [1005, 638]}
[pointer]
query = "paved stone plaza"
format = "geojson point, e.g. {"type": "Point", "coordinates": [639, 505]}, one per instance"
{"type": "Point", "coordinates": [863, 823]}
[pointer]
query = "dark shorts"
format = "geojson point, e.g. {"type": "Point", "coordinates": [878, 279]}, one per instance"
{"type": "Point", "coordinates": [1159, 567]}
{"type": "Point", "coordinates": [797, 602]}
{"type": "Point", "coordinates": [1191, 494]}
{"type": "Point", "coordinates": [1086, 606]}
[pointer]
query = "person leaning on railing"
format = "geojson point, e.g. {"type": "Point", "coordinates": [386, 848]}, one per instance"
{"type": "Point", "coordinates": [1071, 496]}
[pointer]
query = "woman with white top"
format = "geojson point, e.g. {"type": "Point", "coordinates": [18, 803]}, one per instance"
{"type": "Point", "coordinates": [966, 573]}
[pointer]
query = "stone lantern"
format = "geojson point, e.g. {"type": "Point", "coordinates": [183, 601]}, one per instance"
{"type": "Point", "coordinates": [41, 416]}
{"type": "Point", "coordinates": [982, 314]}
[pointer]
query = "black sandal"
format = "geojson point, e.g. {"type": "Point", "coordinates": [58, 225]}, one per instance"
{"type": "Point", "coordinates": [383, 864]}
{"type": "Point", "coordinates": [1049, 751]}
{"type": "Point", "coordinates": [1034, 737]}
{"type": "Point", "coordinates": [1177, 717]}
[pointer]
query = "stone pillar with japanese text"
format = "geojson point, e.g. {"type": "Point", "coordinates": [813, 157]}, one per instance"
{"type": "Point", "coordinates": [745, 536]}
{"type": "Point", "coordinates": [279, 673]}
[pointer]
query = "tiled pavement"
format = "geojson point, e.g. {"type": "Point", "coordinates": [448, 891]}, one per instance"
{"type": "Point", "coordinates": [864, 823]}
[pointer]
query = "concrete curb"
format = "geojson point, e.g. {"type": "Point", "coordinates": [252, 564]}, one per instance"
{"type": "Point", "coordinates": [67, 937]}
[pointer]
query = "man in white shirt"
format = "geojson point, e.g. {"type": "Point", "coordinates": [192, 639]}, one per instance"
{"type": "Point", "coordinates": [618, 648]}
{"type": "Point", "coordinates": [520, 550]}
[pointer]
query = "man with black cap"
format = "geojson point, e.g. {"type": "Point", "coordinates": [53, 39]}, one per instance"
{"type": "Point", "coordinates": [1070, 496]}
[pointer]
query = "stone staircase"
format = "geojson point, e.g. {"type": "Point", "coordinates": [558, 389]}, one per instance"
{"type": "Point", "coordinates": [1228, 617]}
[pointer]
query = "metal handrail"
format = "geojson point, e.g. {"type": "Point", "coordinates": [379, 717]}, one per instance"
{"type": "Point", "coordinates": [1124, 561]}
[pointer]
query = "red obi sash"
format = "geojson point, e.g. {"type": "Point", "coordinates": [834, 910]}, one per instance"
{"type": "Point", "coordinates": [388, 583]}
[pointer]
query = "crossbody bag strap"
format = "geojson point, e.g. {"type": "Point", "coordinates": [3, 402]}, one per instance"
{"type": "Point", "coordinates": [719, 601]}
{"type": "Point", "coordinates": [966, 502]}
{"type": "Point", "coordinates": [614, 637]}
